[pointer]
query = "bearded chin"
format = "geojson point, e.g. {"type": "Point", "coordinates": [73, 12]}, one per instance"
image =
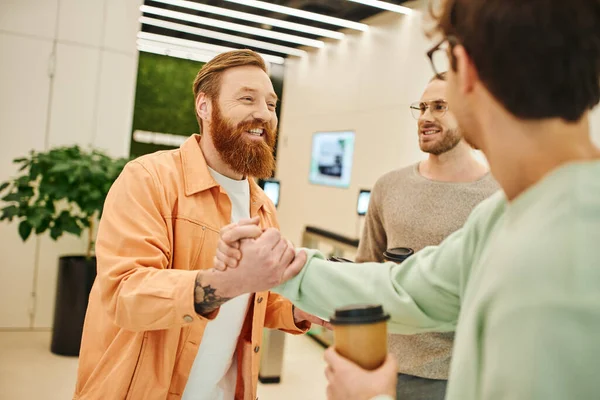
{"type": "Point", "coordinates": [449, 142]}
{"type": "Point", "coordinates": [245, 156]}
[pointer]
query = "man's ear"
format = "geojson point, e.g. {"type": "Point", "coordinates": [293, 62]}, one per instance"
{"type": "Point", "coordinates": [203, 107]}
{"type": "Point", "coordinates": [466, 71]}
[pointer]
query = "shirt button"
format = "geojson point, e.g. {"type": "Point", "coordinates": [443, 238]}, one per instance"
{"type": "Point", "coordinates": [188, 318]}
{"type": "Point", "coordinates": [257, 349]}
{"type": "Point", "coordinates": [259, 300]}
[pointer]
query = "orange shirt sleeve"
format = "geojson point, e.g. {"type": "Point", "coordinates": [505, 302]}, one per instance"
{"type": "Point", "coordinates": [133, 248]}
{"type": "Point", "coordinates": [279, 315]}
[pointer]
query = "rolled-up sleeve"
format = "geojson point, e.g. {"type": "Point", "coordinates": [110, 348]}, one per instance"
{"type": "Point", "coordinates": [280, 315]}
{"type": "Point", "coordinates": [139, 290]}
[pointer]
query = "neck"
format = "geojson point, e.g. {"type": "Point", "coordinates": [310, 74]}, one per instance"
{"type": "Point", "coordinates": [521, 153]}
{"type": "Point", "coordinates": [213, 159]}
{"type": "Point", "coordinates": [457, 165]}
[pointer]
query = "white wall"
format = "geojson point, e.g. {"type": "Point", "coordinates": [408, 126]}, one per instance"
{"type": "Point", "coordinates": [86, 98]}
{"type": "Point", "coordinates": [364, 83]}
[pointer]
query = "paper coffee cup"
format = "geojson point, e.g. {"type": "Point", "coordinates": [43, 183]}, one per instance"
{"type": "Point", "coordinates": [360, 334]}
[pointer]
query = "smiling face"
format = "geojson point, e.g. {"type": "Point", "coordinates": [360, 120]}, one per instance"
{"type": "Point", "coordinates": [243, 123]}
{"type": "Point", "coordinates": [438, 129]}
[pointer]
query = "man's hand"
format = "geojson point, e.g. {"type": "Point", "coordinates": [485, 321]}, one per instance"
{"type": "Point", "coordinates": [347, 381]}
{"type": "Point", "coordinates": [228, 250]}
{"type": "Point", "coordinates": [300, 316]}
{"type": "Point", "coordinates": [267, 262]}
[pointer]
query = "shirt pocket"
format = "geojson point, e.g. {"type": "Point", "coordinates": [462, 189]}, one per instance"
{"type": "Point", "coordinates": [189, 241]}
{"type": "Point", "coordinates": [205, 257]}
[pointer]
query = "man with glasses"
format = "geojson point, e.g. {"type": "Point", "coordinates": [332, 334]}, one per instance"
{"type": "Point", "coordinates": [419, 206]}
{"type": "Point", "coordinates": [520, 281]}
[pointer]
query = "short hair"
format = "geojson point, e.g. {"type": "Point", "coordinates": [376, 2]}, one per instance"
{"type": "Point", "coordinates": [208, 79]}
{"type": "Point", "coordinates": [538, 58]}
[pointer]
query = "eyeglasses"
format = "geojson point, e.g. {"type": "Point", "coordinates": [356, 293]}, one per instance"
{"type": "Point", "coordinates": [437, 108]}
{"type": "Point", "coordinates": [441, 56]}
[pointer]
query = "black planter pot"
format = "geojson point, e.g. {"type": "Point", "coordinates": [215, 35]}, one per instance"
{"type": "Point", "coordinates": [76, 276]}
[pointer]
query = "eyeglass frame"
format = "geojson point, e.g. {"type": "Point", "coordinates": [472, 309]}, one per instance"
{"type": "Point", "coordinates": [428, 104]}
{"type": "Point", "coordinates": [452, 41]}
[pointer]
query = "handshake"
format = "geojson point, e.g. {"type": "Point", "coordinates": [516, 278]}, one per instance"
{"type": "Point", "coordinates": [247, 246]}
{"type": "Point", "coordinates": [253, 260]}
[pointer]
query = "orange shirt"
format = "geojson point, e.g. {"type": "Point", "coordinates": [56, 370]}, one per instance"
{"type": "Point", "coordinates": [161, 224]}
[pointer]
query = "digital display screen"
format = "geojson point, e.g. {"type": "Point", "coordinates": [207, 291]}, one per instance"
{"type": "Point", "coordinates": [363, 202]}
{"type": "Point", "coordinates": [331, 160]}
{"type": "Point", "coordinates": [271, 189]}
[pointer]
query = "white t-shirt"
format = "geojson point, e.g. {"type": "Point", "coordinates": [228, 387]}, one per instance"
{"type": "Point", "coordinates": [214, 372]}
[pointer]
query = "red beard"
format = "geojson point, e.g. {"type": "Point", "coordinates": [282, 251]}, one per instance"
{"type": "Point", "coordinates": [245, 156]}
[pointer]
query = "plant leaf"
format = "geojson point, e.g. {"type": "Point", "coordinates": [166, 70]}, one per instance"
{"type": "Point", "coordinates": [36, 215]}
{"type": "Point", "coordinates": [56, 232]}
{"type": "Point", "coordinates": [9, 213]}
{"type": "Point", "coordinates": [4, 186]}
{"type": "Point", "coordinates": [43, 226]}
{"type": "Point", "coordinates": [25, 230]}
{"type": "Point", "coordinates": [14, 196]}
{"type": "Point", "coordinates": [70, 225]}
{"type": "Point", "coordinates": [62, 167]}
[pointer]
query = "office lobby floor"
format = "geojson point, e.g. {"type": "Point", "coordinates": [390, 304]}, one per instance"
{"type": "Point", "coordinates": [29, 371]}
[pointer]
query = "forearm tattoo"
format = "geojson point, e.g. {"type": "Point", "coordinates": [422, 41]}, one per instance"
{"type": "Point", "coordinates": [206, 298]}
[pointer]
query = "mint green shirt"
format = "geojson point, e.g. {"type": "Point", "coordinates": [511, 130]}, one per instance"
{"type": "Point", "coordinates": [520, 284]}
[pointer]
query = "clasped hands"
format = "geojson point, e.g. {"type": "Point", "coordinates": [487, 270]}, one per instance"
{"type": "Point", "coordinates": [247, 246]}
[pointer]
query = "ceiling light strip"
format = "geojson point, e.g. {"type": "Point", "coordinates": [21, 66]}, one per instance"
{"type": "Point", "coordinates": [207, 47]}
{"type": "Point", "coordinates": [344, 23]}
{"type": "Point", "coordinates": [191, 50]}
{"type": "Point", "coordinates": [166, 51]}
{"type": "Point", "coordinates": [186, 53]}
{"type": "Point", "coordinates": [253, 18]}
{"type": "Point", "coordinates": [231, 26]}
{"type": "Point", "coordinates": [222, 36]}
{"type": "Point", "coordinates": [385, 6]}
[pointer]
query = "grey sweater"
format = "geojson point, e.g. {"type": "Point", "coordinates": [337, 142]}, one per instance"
{"type": "Point", "coordinates": [408, 210]}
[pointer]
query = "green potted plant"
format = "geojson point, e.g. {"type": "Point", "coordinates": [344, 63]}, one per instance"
{"type": "Point", "coordinates": [62, 191]}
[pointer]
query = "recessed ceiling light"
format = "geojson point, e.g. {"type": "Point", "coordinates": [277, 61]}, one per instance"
{"type": "Point", "coordinates": [303, 14]}
{"type": "Point", "coordinates": [254, 18]}
{"type": "Point", "coordinates": [385, 6]}
{"type": "Point", "coordinates": [222, 36]}
{"type": "Point", "coordinates": [231, 26]}
{"type": "Point", "coordinates": [173, 52]}
{"type": "Point", "coordinates": [152, 38]}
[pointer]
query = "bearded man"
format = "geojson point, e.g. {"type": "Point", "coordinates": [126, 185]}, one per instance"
{"type": "Point", "coordinates": [162, 323]}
